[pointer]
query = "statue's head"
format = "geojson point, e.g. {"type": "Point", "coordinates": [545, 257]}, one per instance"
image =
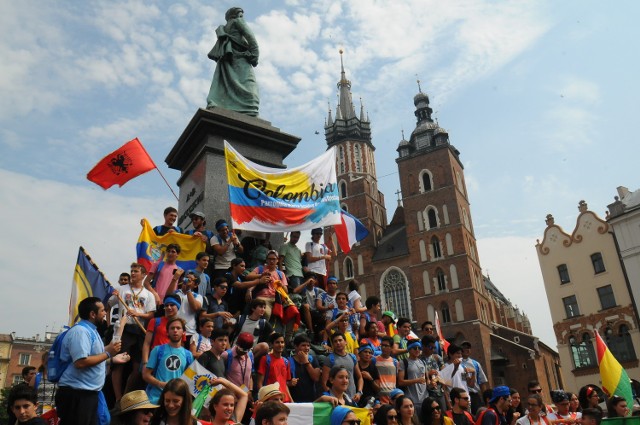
{"type": "Point", "coordinates": [233, 13]}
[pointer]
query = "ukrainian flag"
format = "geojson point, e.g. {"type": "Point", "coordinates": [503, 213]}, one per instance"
{"type": "Point", "coordinates": [88, 281]}
{"type": "Point", "coordinates": [151, 247]}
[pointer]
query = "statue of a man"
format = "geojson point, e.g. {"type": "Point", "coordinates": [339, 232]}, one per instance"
{"type": "Point", "coordinates": [234, 85]}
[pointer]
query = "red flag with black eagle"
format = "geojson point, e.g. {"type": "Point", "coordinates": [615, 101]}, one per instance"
{"type": "Point", "coordinates": [122, 165]}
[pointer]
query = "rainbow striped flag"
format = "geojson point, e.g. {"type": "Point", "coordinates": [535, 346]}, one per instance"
{"type": "Point", "coordinates": [265, 199]}
{"type": "Point", "coordinates": [320, 414]}
{"type": "Point", "coordinates": [615, 380]}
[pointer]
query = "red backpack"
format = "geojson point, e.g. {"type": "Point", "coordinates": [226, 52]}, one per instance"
{"type": "Point", "coordinates": [479, 420]}
{"type": "Point", "coordinates": [449, 413]}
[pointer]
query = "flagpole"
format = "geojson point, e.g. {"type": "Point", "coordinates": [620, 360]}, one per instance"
{"type": "Point", "coordinates": [168, 185]}
{"type": "Point", "coordinates": [107, 280]}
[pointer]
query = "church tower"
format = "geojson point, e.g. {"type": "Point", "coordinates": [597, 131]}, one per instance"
{"type": "Point", "coordinates": [444, 270]}
{"type": "Point", "coordinates": [357, 181]}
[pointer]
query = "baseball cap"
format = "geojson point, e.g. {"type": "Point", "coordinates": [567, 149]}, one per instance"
{"type": "Point", "coordinates": [501, 391]}
{"type": "Point", "coordinates": [197, 214]}
{"type": "Point", "coordinates": [391, 314]}
{"type": "Point", "coordinates": [245, 341]}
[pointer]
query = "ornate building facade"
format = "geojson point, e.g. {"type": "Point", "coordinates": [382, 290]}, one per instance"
{"type": "Point", "coordinates": [425, 260]}
{"type": "Point", "coordinates": [587, 292]}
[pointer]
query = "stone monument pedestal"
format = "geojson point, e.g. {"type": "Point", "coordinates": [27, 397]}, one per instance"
{"type": "Point", "coordinates": [199, 155]}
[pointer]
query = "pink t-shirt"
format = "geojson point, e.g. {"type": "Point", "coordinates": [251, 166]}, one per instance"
{"type": "Point", "coordinates": [269, 291]}
{"type": "Point", "coordinates": [163, 279]}
{"type": "Point", "coordinates": [240, 371]}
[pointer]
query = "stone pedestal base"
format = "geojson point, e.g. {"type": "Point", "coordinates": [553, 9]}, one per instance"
{"type": "Point", "coordinates": [199, 155]}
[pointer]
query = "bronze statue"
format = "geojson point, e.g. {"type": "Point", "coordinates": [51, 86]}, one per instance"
{"type": "Point", "coordinates": [234, 85]}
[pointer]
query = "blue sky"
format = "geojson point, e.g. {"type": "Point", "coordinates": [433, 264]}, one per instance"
{"type": "Point", "coordinates": [538, 96]}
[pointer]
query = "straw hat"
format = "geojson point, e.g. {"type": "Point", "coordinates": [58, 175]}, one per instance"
{"type": "Point", "coordinates": [269, 391]}
{"type": "Point", "coordinates": [135, 400]}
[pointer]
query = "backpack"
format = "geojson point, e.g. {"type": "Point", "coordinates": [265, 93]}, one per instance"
{"type": "Point", "coordinates": [230, 361]}
{"type": "Point", "coordinates": [481, 416]}
{"type": "Point", "coordinates": [449, 413]}
{"type": "Point", "coordinates": [268, 366]}
{"type": "Point", "coordinates": [243, 318]}
{"type": "Point", "coordinates": [55, 365]}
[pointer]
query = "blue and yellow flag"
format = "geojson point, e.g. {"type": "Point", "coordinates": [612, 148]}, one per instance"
{"type": "Point", "coordinates": [151, 247]}
{"type": "Point", "coordinates": [265, 199]}
{"type": "Point", "coordinates": [88, 281]}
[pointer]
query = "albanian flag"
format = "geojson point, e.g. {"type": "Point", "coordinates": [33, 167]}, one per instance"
{"type": "Point", "coordinates": [122, 165]}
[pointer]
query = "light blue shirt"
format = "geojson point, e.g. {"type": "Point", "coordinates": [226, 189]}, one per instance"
{"type": "Point", "coordinates": [81, 342]}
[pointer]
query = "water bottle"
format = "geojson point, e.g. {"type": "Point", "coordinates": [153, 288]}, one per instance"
{"type": "Point", "coordinates": [370, 403]}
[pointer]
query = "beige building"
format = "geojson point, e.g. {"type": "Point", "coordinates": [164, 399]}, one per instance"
{"type": "Point", "coordinates": [587, 291]}
{"type": "Point", "coordinates": [5, 356]}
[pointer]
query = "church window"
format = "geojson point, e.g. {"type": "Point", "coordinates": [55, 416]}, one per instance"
{"type": "Point", "coordinates": [435, 245]}
{"type": "Point", "coordinates": [426, 181]}
{"type": "Point", "coordinates": [465, 218]}
{"type": "Point", "coordinates": [444, 311]}
{"type": "Point", "coordinates": [432, 218]}
{"type": "Point", "coordinates": [442, 280]}
{"type": "Point", "coordinates": [395, 290]}
{"type": "Point", "coordinates": [459, 311]}
{"type": "Point", "coordinates": [344, 207]}
{"type": "Point", "coordinates": [582, 352]}
{"type": "Point", "coordinates": [343, 189]}
{"type": "Point", "coordinates": [341, 167]}
{"type": "Point", "coordinates": [348, 268]}
{"type": "Point", "coordinates": [358, 158]}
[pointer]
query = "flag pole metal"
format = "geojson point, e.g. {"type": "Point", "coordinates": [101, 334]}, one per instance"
{"type": "Point", "coordinates": [167, 183]}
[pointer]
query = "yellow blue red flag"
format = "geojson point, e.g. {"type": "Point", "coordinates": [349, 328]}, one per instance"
{"type": "Point", "coordinates": [151, 247]}
{"type": "Point", "coordinates": [266, 199]}
{"type": "Point", "coordinates": [88, 281]}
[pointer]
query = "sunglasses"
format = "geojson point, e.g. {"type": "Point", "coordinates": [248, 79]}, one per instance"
{"type": "Point", "coordinates": [392, 417]}
{"type": "Point", "coordinates": [352, 422]}
{"type": "Point", "coordinates": [436, 408]}
{"type": "Point", "coordinates": [538, 391]}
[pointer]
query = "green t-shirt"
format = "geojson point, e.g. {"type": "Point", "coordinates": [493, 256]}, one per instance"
{"type": "Point", "coordinates": [292, 256]}
{"type": "Point", "coordinates": [402, 344]}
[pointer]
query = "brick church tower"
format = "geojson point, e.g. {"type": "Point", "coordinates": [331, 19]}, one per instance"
{"type": "Point", "coordinates": [438, 223]}
{"type": "Point", "coordinates": [357, 182]}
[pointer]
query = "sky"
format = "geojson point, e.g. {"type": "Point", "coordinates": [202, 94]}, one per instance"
{"type": "Point", "coordinates": [538, 96]}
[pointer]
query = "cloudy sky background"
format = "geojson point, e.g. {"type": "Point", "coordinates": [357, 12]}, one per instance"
{"type": "Point", "coordinates": [538, 96]}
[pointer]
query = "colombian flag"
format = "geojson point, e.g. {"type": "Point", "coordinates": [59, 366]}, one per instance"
{"type": "Point", "coordinates": [88, 281]}
{"type": "Point", "coordinates": [615, 380]}
{"type": "Point", "coordinates": [151, 247]}
{"type": "Point", "coordinates": [265, 199]}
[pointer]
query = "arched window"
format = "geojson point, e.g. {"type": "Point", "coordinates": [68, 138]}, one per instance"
{"type": "Point", "coordinates": [435, 246]}
{"type": "Point", "coordinates": [582, 352]}
{"type": "Point", "coordinates": [465, 219]}
{"type": "Point", "coordinates": [459, 311]}
{"type": "Point", "coordinates": [343, 189]}
{"type": "Point", "coordinates": [341, 152]}
{"type": "Point", "coordinates": [432, 218]}
{"type": "Point", "coordinates": [348, 268]}
{"type": "Point", "coordinates": [344, 207]}
{"type": "Point", "coordinates": [341, 167]}
{"type": "Point", "coordinates": [445, 313]}
{"type": "Point", "coordinates": [426, 181]}
{"type": "Point", "coordinates": [441, 279]}
{"type": "Point", "coordinates": [395, 291]}
{"type": "Point", "coordinates": [358, 159]}
{"type": "Point", "coordinates": [620, 343]}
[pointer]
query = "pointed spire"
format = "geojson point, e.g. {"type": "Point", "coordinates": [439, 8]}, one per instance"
{"type": "Point", "coordinates": [362, 118]}
{"type": "Point", "coordinates": [418, 80]}
{"type": "Point", "coordinates": [344, 86]}
{"type": "Point", "coordinates": [329, 118]}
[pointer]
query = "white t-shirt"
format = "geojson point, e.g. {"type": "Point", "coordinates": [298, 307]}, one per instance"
{"type": "Point", "coordinates": [457, 380]}
{"type": "Point", "coordinates": [139, 300]}
{"type": "Point", "coordinates": [187, 313]}
{"type": "Point", "coordinates": [317, 250]}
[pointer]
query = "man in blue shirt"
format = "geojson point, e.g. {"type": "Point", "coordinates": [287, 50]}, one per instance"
{"type": "Point", "coordinates": [80, 384]}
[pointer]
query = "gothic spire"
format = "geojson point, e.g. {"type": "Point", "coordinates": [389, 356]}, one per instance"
{"type": "Point", "coordinates": [344, 86]}
{"type": "Point", "coordinates": [329, 118]}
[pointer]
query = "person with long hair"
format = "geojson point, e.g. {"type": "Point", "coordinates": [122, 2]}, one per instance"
{"type": "Point", "coordinates": [135, 409]}
{"type": "Point", "coordinates": [432, 414]}
{"type": "Point", "coordinates": [227, 403]}
{"type": "Point", "coordinates": [516, 411]}
{"type": "Point", "coordinates": [589, 398]}
{"type": "Point", "coordinates": [574, 403]}
{"type": "Point", "coordinates": [175, 405]}
{"type": "Point", "coordinates": [535, 407]}
{"type": "Point", "coordinates": [338, 384]}
{"type": "Point", "coordinates": [386, 415]}
{"type": "Point", "coordinates": [406, 411]}
{"type": "Point", "coordinates": [617, 407]}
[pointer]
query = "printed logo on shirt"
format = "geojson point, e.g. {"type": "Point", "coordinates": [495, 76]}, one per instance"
{"type": "Point", "coordinates": [173, 362]}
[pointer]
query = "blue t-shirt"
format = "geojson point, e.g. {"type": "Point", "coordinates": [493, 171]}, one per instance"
{"type": "Point", "coordinates": [173, 363]}
{"type": "Point", "coordinates": [81, 342]}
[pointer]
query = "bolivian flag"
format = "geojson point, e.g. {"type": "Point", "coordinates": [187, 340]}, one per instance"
{"type": "Point", "coordinates": [320, 414]}
{"type": "Point", "coordinates": [615, 380]}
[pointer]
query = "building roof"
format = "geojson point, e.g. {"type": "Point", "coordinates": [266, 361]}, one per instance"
{"type": "Point", "coordinates": [493, 290]}
{"type": "Point", "coordinates": [625, 202]}
{"type": "Point", "coordinates": [5, 338]}
{"type": "Point", "coordinates": [393, 243]}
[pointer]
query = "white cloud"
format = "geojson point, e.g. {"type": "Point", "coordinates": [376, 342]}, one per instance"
{"type": "Point", "coordinates": [51, 221]}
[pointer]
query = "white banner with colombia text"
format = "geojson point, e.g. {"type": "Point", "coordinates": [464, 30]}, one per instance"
{"type": "Point", "coordinates": [268, 199]}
